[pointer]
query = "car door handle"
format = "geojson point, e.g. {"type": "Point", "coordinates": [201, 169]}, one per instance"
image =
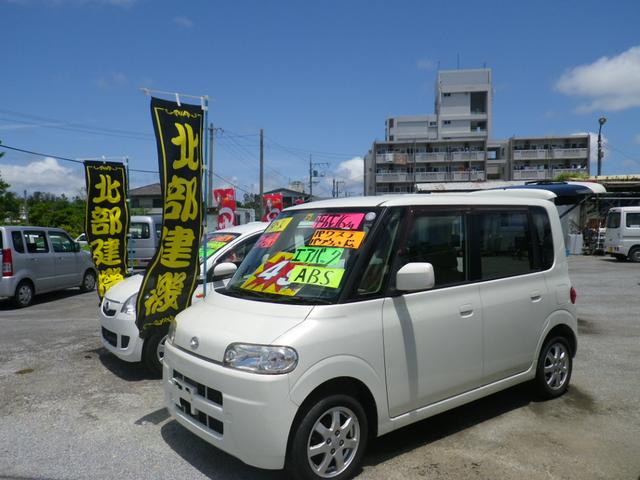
{"type": "Point", "coordinates": [535, 296]}
{"type": "Point", "coordinates": [466, 310]}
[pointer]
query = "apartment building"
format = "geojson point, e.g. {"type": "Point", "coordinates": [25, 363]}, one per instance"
{"type": "Point", "coordinates": [454, 145]}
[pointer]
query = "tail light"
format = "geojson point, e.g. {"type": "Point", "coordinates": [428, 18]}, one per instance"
{"type": "Point", "coordinates": [573, 295]}
{"type": "Point", "coordinates": [7, 263]}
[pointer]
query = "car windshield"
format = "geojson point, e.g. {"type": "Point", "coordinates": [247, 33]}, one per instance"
{"type": "Point", "coordinates": [613, 220]}
{"type": "Point", "coordinates": [215, 241]}
{"type": "Point", "coordinates": [304, 256]}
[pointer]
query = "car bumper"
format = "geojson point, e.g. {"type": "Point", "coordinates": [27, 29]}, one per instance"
{"type": "Point", "coordinates": [119, 333]}
{"type": "Point", "coordinates": [8, 286]}
{"type": "Point", "coordinates": [244, 414]}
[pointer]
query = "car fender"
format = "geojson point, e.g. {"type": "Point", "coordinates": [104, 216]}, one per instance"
{"type": "Point", "coordinates": [559, 317]}
{"type": "Point", "coordinates": [341, 366]}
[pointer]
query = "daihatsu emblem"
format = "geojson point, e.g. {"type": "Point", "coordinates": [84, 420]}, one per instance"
{"type": "Point", "coordinates": [194, 343]}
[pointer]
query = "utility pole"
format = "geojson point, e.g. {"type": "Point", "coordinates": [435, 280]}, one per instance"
{"type": "Point", "coordinates": [333, 188]}
{"type": "Point", "coordinates": [210, 192]}
{"type": "Point", "coordinates": [261, 172]}
{"type": "Point", "coordinates": [310, 178]}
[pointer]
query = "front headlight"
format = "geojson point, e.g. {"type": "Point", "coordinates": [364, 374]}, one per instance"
{"type": "Point", "coordinates": [265, 359]}
{"type": "Point", "coordinates": [130, 305]}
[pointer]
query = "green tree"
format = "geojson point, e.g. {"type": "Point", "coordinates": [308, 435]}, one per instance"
{"type": "Point", "coordinates": [48, 210]}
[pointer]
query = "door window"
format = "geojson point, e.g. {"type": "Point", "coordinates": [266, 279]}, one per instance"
{"type": "Point", "coordinates": [60, 242]}
{"type": "Point", "coordinates": [36, 241]}
{"type": "Point", "coordinates": [504, 242]}
{"type": "Point", "coordinates": [439, 239]}
{"type": "Point", "coordinates": [544, 238]}
{"type": "Point", "coordinates": [237, 253]}
{"type": "Point", "coordinates": [633, 220]}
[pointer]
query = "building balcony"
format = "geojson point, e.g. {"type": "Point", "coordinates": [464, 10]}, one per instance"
{"type": "Point", "coordinates": [397, 158]}
{"type": "Point", "coordinates": [431, 176]}
{"type": "Point", "coordinates": [572, 171]}
{"type": "Point", "coordinates": [531, 174]}
{"type": "Point", "coordinates": [392, 177]}
{"type": "Point", "coordinates": [467, 156]}
{"type": "Point", "coordinates": [529, 154]}
{"type": "Point", "coordinates": [472, 176]}
{"type": "Point", "coordinates": [431, 157]}
{"type": "Point", "coordinates": [570, 152]}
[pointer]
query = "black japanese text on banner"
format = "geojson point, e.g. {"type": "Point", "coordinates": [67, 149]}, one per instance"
{"type": "Point", "coordinates": [107, 221]}
{"type": "Point", "coordinates": [171, 276]}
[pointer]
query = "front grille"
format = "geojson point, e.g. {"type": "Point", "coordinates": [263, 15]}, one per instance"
{"type": "Point", "coordinates": [110, 337]}
{"type": "Point", "coordinates": [211, 394]}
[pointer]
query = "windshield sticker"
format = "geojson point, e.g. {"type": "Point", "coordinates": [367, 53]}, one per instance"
{"type": "Point", "coordinates": [221, 238]}
{"type": "Point", "coordinates": [337, 238]}
{"type": "Point", "coordinates": [212, 247]}
{"type": "Point", "coordinates": [318, 255]}
{"type": "Point", "coordinates": [344, 221]}
{"type": "Point", "coordinates": [309, 217]}
{"type": "Point", "coordinates": [273, 276]}
{"type": "Point", "coordinates": [278, 225]}
{"type": "Point", "coordinates": [321, 276]}
{"type": "Point", "coordinates": [267, 240]}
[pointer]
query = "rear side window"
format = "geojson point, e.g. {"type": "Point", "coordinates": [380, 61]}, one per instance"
{"type": "Point", "coordinates": [36, 241]}
{"type": "Point", "coordinates": [633, 220]}
{"type": "Point", "coordinates": [613, 220]}
{"type": "Point", "coordinates": [504, 243]}
{"type": "Point", "coordinates": [60, 242]}
{"type": "Point", "coordinates": [543, 236]}
{"type": "Point", "coordinates": [139, 230]}
{"type": "Point", "coordinates": [18, 242]}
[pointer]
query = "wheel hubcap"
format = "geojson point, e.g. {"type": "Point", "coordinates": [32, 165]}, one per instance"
{"type": "Point", "coordinates": [333, 442]}
{"type": "Point", "coordinates": [556, 366]}
{"type": "Point", "coordinates": [160, 349]}
{"type": "Point", "coordinates": [24, 295]}
{"type": "Point", "coordinates": [89, 282]}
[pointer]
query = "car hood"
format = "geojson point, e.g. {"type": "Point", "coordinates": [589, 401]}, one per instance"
{"type": "Point", "coordinates": [121, 291]}
{"type": "Point", "coordinates": [221, 320]}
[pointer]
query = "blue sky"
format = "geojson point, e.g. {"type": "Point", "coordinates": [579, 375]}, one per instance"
{"type": "Point", "coordinates": [319, 77]}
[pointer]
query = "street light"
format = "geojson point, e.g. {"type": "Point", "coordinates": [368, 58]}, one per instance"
{"type": "Point", "coordinates": [601, 121]}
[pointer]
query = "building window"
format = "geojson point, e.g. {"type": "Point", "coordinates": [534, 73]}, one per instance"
{"type": "Point", "coordinates": [447, 122]}
{"type": "Point", "coordinates": [157, 203]}
{"type": "Point", "coordinates": [446, 94]}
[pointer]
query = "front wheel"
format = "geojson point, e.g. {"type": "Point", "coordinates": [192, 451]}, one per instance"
{"type": "Point", "coordinates": [88, 281]}
{"type": "Point", "coordinates": [329, 440]}
{"type": "Point", "coordinates": [554, 368]}
{"type": "Point", "coordinates": [153, 351]}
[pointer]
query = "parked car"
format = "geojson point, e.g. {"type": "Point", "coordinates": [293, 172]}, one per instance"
{"type": "Point", "coordinates": [622, 236]}
{"type": "Point", "coordinates": [38, 260]}
{"type": "Point", "coordinates": [119, 332]}
{"type": "Point", "coordinates": [144, 237]}
{"type": "Point", "coordinates": [351, 318]}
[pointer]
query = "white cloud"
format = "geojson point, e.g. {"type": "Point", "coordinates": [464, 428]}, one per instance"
{"type": "Point", "coordinates": [425, 64]}
{"type": "Point", "coordinates": [113, 80]}
{"type": "Point", "coordinates": [46, 175]}
{"type": "Point", "coordinates": [351, 172]}
{"type": "Point", "coordinates": [183, 22]}
{"type": "Point", "coordinates": [609, 83]}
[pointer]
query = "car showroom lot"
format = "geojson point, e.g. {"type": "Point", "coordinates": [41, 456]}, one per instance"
{"type": "Point", "coordinates": [70, 410]}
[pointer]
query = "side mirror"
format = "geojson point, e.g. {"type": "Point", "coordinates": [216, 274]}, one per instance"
{"type": "Point", "coordinates": [224, 270]}
{"type": "Point", "coordinates": [415, 276]}
{"type": "Point", "coordinates": [76, 247]}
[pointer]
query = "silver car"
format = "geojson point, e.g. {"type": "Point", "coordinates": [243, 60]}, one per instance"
{"type": "Point", "coordinates": [40, 259]}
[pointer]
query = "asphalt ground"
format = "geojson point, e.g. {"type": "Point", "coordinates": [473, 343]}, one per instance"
{"type": "Point", "coordinates": [71, 410]}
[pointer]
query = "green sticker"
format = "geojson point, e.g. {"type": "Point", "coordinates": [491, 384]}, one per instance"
{"type": "Point", "coordinates": [318, 255]}
{"type": "Point", "coordinates": [212, 247]}
{"type": "Point", "coordinates": [312, 275]}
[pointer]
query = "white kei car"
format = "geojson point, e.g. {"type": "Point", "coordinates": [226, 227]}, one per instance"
{"type": "Point", "coordinates": [119, 332]}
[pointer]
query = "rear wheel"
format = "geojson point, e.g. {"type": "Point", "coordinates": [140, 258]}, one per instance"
{"type": "Point", "coordinates": [554, 368]}
{"type": "Point", "coordinates": [634, 254]}
{"type": "Point", "coordinates": [153, 351]}
{"type": "Point", "coordinates": [24, 294]}
{"type": "Point", "coordinates": [329, 440]}
{"type": "Point", "coordinates": [88, 281]}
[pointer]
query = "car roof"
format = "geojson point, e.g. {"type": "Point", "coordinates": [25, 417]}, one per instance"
{"type": "Point", "coordinates": [499, 197]}
{"type": "Point", "coordinates": [247, 228]}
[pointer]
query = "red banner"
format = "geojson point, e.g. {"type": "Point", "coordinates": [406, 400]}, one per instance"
{"type": "Point", "coordinates": [272, 206]}
{"type": "Point", "coordinates": [226, 198]}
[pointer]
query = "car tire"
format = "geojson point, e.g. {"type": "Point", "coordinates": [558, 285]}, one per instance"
{"type": "Point", "coordinates": [634, 254]}
{"type": "Point", "coordinates": [153, 351]}
{"type": "Point", "coordinates": [88, 281]}
{"type": "Point", "coordinates": [322, 428]}
{"type": "Point", "coordinates": [24, 294]}
{"type": "Point", "coordinates": [554, 368]}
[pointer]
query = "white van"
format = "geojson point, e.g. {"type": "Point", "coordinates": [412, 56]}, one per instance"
{"type": "Point", "coordinates": [117, 315]}
{"type": "Point", "coordinates": [359, 316]}
{"type": "Point", "coordinates": [622, 237]}
{"type": "Point", "coordinates": [144, 237]}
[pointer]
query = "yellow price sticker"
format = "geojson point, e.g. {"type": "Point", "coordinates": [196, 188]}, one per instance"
{"type": "Point", "coordinates": [278, 225]}
{"type": "Point", "coordinates": [337, 238]}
